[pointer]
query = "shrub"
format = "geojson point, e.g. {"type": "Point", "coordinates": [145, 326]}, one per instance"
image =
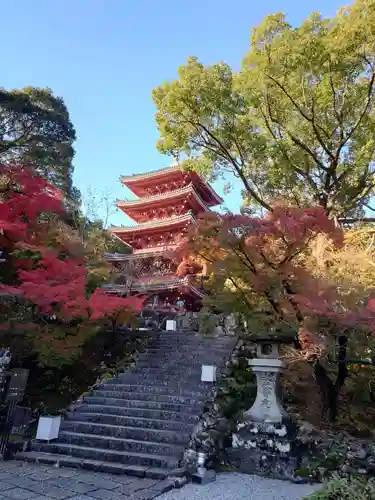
{"type": "Point", "coordinates": [346, 489]}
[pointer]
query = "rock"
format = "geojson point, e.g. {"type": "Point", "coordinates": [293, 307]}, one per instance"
{"type": "Point", "coordinates": [198, 429]}
{"type": "Point", "coordinates": [358, 454]}
{"type": "Point", "coordinates": [209, 420]}
{"type": "Point", "coordinates": [371, 464]}
{"type": "Point", "coordinates": [307, 429]}
{"type": "Point", "coordinates": [189, 461]}
{"type": "Point", "coordinates": [204, 478]}
{"type": "Point", "coordinates": [177, 473]}
{"type": "Point", "coordinates": [307, 433]}
{"type": "Point", "coordinates": [222, 425]}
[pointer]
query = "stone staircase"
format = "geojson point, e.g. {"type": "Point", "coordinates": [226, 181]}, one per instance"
{"type": "Point", "coordinates": [140, 422]}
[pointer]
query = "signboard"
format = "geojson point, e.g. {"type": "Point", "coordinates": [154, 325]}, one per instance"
{"type": "Point", "coordinates": [21, 420]}
{"type": "Point", "coordinates": [17, 384]}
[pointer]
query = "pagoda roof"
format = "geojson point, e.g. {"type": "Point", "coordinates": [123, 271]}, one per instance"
{"type": "Point", "coordinates": [160, 172]}
{"type": "Point", "coordinates": [137, 182]}
{"type": "Point", "coordinates": [133, 207]}
{"type": "Point", "coordinates": [154, 224]}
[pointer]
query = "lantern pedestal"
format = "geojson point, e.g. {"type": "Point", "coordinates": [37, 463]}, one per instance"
{"type": "Point", "coordinates": [267, 407]}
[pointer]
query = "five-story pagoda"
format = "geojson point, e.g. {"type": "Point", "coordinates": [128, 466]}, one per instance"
{"type": "Point", "coordinates": [168, 200]}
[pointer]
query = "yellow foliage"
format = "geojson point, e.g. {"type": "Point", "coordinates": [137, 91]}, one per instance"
{"type": "Point", "coordinates": [351, 269]}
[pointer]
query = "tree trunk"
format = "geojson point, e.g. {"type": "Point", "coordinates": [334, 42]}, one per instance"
{"type": "Point", "coordinates": [330, 390]}
{"type": "Point", "coordinates": [114, 324]}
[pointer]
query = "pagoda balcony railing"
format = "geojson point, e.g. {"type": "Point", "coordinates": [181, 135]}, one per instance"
{"type": "Point", "coordinates": [118, 256]}
{"type": "Point", "coordinates": [154, 287]}
{"type": "Point", "coordinates": [146, 286]}
{"type": "Point", "coordinates": [139, 253]}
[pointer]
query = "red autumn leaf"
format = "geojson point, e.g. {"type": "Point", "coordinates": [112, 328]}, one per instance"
{"type": "Point", "coordinates": [104, 305]}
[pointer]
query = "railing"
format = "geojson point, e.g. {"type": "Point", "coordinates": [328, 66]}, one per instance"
{"type": "Point", "coordinates": [146, 286]}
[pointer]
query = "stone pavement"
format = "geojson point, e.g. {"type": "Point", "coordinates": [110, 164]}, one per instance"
{"type": "Point", "coordinates": [234, 486]}
{"type": "Point", "coordinates": [22, 481]}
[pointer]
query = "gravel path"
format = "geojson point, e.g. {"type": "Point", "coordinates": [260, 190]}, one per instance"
{"type": "Point", "coordinates": [233, 486]}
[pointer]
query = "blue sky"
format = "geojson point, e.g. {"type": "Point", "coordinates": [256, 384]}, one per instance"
{"type": "Point", "coordinates": [105, 56]}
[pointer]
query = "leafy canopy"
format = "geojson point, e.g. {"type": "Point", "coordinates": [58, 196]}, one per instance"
{"type": "Point", "coordinates": [297, 121]}
{"type": "Point", "coordinates": [36, 130]}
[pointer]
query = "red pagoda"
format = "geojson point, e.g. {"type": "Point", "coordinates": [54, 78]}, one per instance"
{"type": "Point", "coordinates": [168, 200]}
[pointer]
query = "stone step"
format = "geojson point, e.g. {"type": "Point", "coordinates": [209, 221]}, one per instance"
{"type": "Point", "coordinates": [192, 390]}
{"type": "Point", "coordinates": [180, 353]}
{"type": "Point", "coordinates": [105, 454]}
{"type": "Point", "coordinates": [145, 368]}
{"type": "Point", "coordinates": [179, 364]}
{"type": "Point", "coordinates": [176, 366]}
{"type": "Point", "coordinates": [93, 465]}
{"type": "Point", "coordinates": [150, 405]}
{"type": "Point", "coordinates": [144, 396]}
{"type": "Point", "coordinates": [166, 424]}
{"type": "Point", "coordinates": [197, 345]}
{"type": "Point", "coordinates": [138, 413]}
{"type": "Point", "coordinates": [185, 349]}
{"type": "Point", "coordinates": [185, 335]}
{"type": "Point", "coordinates": [159, 378]}
{"type": "Point", "coordinates": [119, 444]}
{"type": "Point", "coordinates": [180, 370]}
{"type": "Point", "coordinates": [138, 433]}
{"type": "Point", "coordinates": [141, 420]}
{"type": "Point", "coordinates": [194, 342]}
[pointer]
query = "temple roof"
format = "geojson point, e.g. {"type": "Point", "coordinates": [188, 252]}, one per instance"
{"type": "Point", "coordinates": [154, 224]}
{"type": "Point", "coordinates": [155, 173]}
{"type": "Point", "coordinates": [141, 184]}
{"type": "Point", "coordinates": [139, 210]}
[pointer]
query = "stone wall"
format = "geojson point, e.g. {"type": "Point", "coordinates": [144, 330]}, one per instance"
{"type": "Point", "coordinates": [235, 392]}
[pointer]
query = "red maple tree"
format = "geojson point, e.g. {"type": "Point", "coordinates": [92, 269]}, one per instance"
{"type": "Point", "coordinates": [49, 275]}
{"type": "Point", "coordinates": [23, 198]}
{"type": "Point", "coordinates": [259, 268]}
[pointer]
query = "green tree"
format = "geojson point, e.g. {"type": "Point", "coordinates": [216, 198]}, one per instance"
{"type": "Point", "coordinates": [297, 120]}
{"type": "Point", "coordinates": [35, 129]}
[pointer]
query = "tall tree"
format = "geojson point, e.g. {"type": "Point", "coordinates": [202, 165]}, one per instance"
{"type": "Point", "coordinates": [36, 130]}
{"type": "Point", "coordinates": [297, 121]}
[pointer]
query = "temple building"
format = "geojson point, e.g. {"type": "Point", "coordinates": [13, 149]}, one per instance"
{"type": "Point", "coordinates": [168, 201]}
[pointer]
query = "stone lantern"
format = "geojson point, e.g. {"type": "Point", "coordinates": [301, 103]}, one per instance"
{"type": "Point", "coordinates": [267, 367]}
{"type": "Point", "coordinates": [264, 438]}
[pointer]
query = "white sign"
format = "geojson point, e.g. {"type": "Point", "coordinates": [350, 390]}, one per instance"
{"type": "Point", "coordinates": [48, 428]}
{"type": "Point", "coordinates": [208, 373]}
{"type": "Point", "coordinates": [171, 325]}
